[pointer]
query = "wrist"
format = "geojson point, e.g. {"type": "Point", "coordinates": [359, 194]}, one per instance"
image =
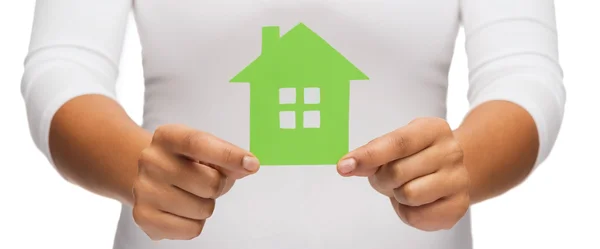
{"type": "Point", "coordinates": [139, 140]}
{"type": "Point", "coordinates": [464, 138]}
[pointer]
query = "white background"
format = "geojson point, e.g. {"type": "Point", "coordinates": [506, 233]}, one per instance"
{"type": "Point", "coordinates": [557, 207]}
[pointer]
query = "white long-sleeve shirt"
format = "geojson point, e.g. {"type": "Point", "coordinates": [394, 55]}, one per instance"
{"type": "Point", "coordinates": [193, 49]}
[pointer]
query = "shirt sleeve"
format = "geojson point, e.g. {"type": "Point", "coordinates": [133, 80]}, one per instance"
{"type": "Point", "coordinates": [74, 50]}
{"type": "Point", "coordinates": [512, 53]}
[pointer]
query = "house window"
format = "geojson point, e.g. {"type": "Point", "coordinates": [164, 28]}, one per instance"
{"type": "Point", "coordinates": [312, 95]}
{"type": "Point", "coordinates": [287, 96]}
{"type": "Point", "coordinates": [310, 118]}
{"type": "Point", "coordinates": [287, 120]}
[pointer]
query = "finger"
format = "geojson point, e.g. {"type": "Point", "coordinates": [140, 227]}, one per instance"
{"type": "Point", "coordinates": [440, 215]}
{"type": "Point", "coordinates": [204, 147]}
{"type": "Point", "coordinates": [198, 179]}
{"type": "Point", "coordinates": [202, 181]}
{"type": "Point", "coordinates": [159, 225]}
{"type": "Point", "coordinates": [396, 173]}
{"type": "Point", "coordinates": [430, 188]}
{"type": "Point", "coordinates": [403, 142]}
{"type": "Point", "coordinates": [230, 175]}
{"type": "Point", "coordinates": [173, 200]}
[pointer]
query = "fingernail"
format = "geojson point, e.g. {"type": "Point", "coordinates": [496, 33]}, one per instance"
{"type": "Point", "coordinates": [347, 165]}
{"type": "Point", "coordinates": [250, 163]}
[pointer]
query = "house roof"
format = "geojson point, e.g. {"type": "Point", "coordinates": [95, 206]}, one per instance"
{"type": "Point", "coordinates": [298, 56]}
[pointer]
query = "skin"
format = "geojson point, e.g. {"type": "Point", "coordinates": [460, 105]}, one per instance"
{"type": "Point", "coordinates": [172, 177]}
{"type": "Point", "coordinates": [432, 174]}
{"type": "Point", "coordinates": [180, 175]}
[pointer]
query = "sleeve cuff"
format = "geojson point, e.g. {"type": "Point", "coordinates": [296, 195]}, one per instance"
{"type": "Point", "coordinates": [543, 100]}
{"type": "Point", "coordinates": [48, 90]}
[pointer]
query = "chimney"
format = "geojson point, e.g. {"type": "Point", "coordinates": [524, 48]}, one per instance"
{"type": "Point", "coordinates": [270, 36]}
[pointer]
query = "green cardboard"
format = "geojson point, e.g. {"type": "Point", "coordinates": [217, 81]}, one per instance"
{"type": "Point", "coordinates": [298, 63]}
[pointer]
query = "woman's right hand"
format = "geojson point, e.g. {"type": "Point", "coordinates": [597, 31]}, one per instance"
{"type": "Point", "coordinates": [179, 177]}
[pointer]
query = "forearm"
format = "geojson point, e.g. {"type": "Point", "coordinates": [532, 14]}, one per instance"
{"type": "Point", "coordinates": [94, 144]}
{"type": "Point", "coordinates": [500, 144]}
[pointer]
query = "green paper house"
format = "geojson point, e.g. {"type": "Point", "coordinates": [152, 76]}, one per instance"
{"type": "Point", "coordinates": [299, 99]}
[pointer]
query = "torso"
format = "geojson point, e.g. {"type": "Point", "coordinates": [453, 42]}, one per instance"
{"type": "Point", "coordinates": [192, 50]}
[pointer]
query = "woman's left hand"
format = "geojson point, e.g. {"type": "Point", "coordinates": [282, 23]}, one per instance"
{"type": "Point", "coordinates": [420, 167]}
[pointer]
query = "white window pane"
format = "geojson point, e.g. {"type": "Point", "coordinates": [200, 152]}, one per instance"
{"type": "Point", "coordinates": [312, 119]}
{"type": "Point", "coordinates": [287, 120]}
{"type": "Point", "coordinates": [312, 95]}
{"type": "Point", "coordinates": [287, 95]}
